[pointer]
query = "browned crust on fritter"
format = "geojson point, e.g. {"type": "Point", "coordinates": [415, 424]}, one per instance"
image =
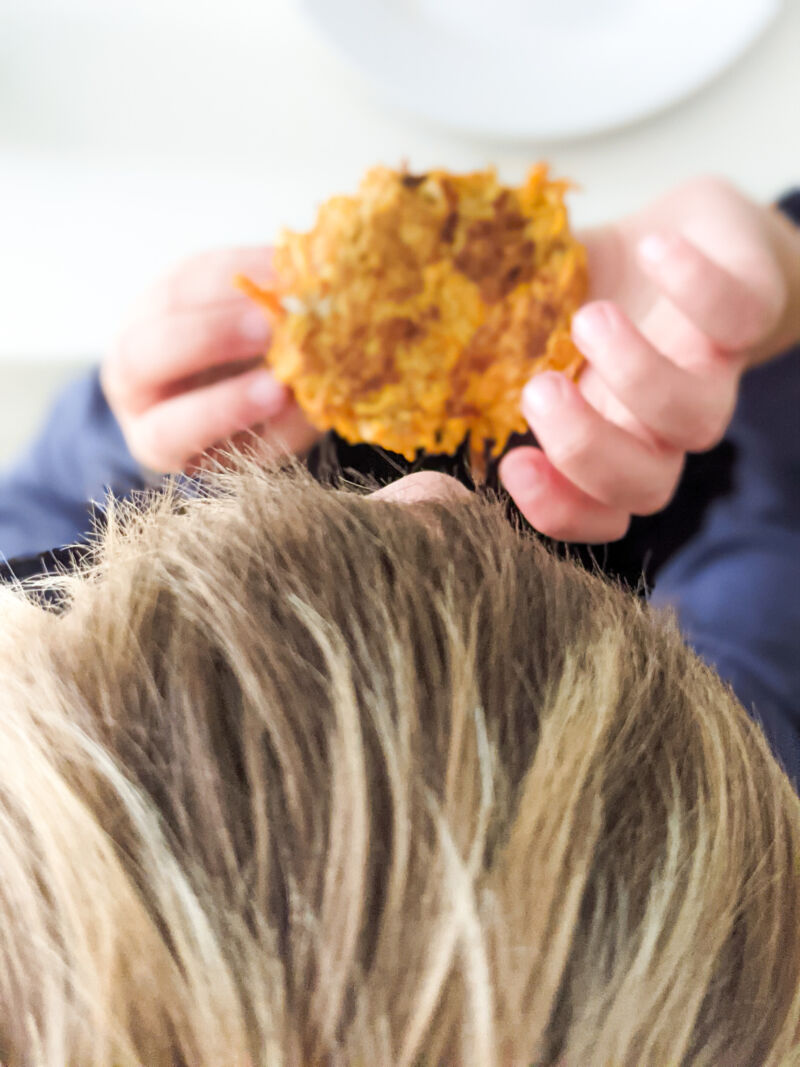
{"type": "Point", "coordinates": [413, 313]}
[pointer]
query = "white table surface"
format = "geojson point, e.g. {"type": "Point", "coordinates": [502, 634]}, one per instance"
{"type": "Point", "coordinates": [133, 133]}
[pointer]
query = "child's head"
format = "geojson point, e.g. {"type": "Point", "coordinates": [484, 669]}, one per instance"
{"type": "Point", "coordinates": [301, 777]}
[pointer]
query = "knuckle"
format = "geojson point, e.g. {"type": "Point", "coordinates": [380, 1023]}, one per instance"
{"type": "Point", "coordinates": [711, 187]}
{"type": "Point", "coordinates": [110, 382]}
{"type": "Point", "coordinates": [136, 447]}
{"type": "Point", "coordinates": [170, 293]}
{"type": "Point", "coordinates": [650, 503]}
{"type": "Point", "coordinates": [117, 356]}
{"type": "Point", "coordinates": [706, 435]}
{"type": "Point", "coordinates": [757, 316]}
{"type": "Point", "coordinates": [548, 513]}
{"type": "Point", "coordinates": [575, 529]}
{"type": "Point", "coordinates": [558, 527]}
{"type": "Point", "coordinates": [169, 289]}
{"type": "Point", "coordinates": [654, 498]}
{"type": "Point", "coordinates": [631, 374]}
{"type": "Point", "coordinates": [710, 425]}
{"type": "Point", "coordinates": [167, 293]}
{"type": "Point", "coordinates": [714, 184]}
{"type": "Point", "coordinates": [618, 529]}
{"type": "Point", "coordinates": [570, 447]}
{"type": "Point", "coordinates": [146, 448]}
{"type": "Point", "coordinates": [687, 270]}
{"type": "Point", "coordinates": [119, 366]}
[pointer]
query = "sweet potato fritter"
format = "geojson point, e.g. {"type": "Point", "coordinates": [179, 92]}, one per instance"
{"type": "Point", "coordinates": [413, 313]}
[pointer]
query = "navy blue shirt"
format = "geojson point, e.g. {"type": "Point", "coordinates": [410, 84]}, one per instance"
{"type": "Point", "coordinates": [47, 498]}
{"type": "Point", "coordinates": [736, 583]}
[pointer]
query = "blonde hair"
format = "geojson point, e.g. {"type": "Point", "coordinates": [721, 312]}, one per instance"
{"type": "Point", "coordinates": [296, 777]}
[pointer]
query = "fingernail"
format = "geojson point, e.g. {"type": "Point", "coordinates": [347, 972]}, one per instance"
{"type": "Point", "coordinates": [656, 247]}
{"type": "Point", "coordinates": [254, 326]}
{"type": "Point", "coordinates": [543, 394]}
{"type": "Point", "coordinates": [267, 394]}
{"type": "Point", "coordinates": [591, 323]}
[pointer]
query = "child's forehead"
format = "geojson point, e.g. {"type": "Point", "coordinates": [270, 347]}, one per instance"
{"type": "Point", "coordinates": [422, 486]}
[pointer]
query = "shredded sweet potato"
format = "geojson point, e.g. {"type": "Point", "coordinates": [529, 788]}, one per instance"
{"type": "Point", "coordinates": [413, 313]}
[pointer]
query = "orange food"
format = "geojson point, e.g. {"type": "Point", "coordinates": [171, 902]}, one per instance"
{"type": "Point", "coordinates": [413, 313]}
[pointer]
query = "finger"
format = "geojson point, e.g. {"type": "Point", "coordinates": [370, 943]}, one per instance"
{"type": "Point", "coordinates": [605, 461]}
{"type": "Point", "coordinates": [606, 256]}
{"type": "Point", "coordinates": [167, 435]}
{"type": "Point", "coordinates": [688, 411]}
{"type": "Point", "coordinates": [287, 433]}
{"type": "Point", "coordinates": [553, 505]}
{"type": "Point", "coordinates": [205, 279]}
{"type": "Point", "coordinates": [730, 312]}
{"type": "Point", "coordinates": [155, 353]}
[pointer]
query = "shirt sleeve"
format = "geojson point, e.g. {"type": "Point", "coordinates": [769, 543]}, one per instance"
{"type": "Point", "coordinates": [736, 584]}
{"type": "Point", "coordinates": [48, 497]}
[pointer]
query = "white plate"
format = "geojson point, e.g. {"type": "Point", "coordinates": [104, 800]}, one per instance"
{"type": "Point", "coordinates": [540, 69]}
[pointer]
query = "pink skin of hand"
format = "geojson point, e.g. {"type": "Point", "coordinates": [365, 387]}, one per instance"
{"type": "Point", "coordinates": [686, 295]}
{"type": "Point", "coordinates": [188, 373]}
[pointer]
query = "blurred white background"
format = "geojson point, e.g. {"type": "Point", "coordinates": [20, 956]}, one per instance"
{"type": "Point", "coordinates": [133, 132]}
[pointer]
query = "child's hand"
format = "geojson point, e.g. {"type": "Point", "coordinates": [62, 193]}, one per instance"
{"type": "Point", "coordinates": [188, 372]}
{"type": "Point", "coordinates": [686, 296]}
